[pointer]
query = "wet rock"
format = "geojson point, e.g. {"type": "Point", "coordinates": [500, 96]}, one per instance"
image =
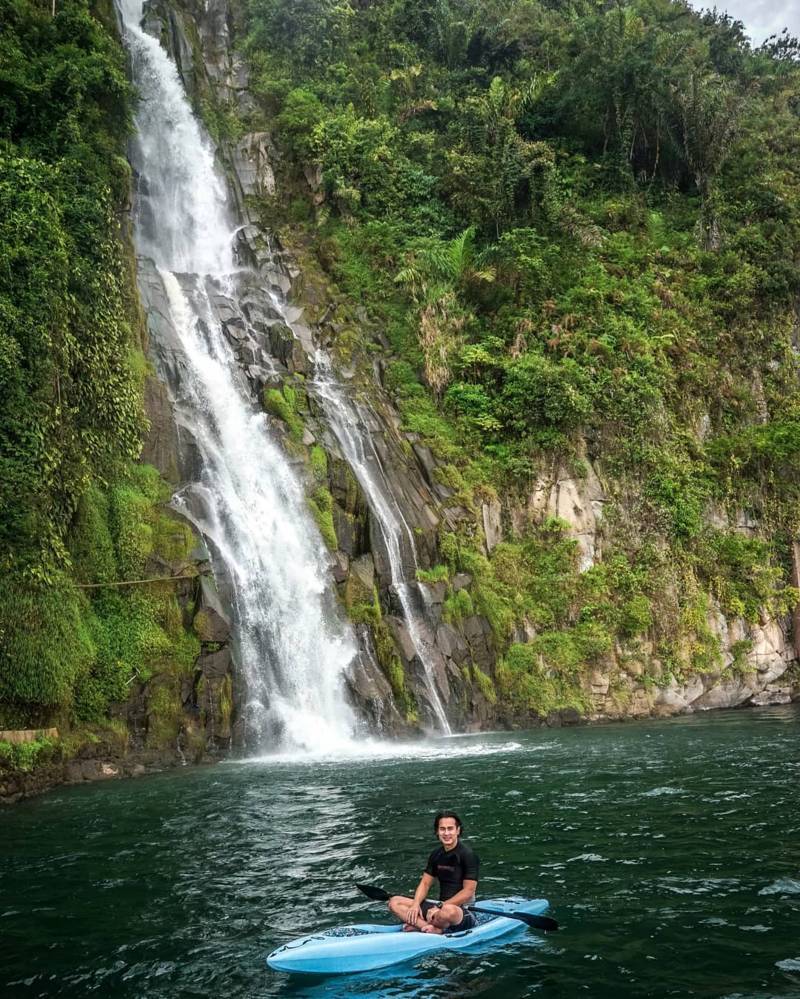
{"type": "Point", "coordinates": [288, 351]}
{"type": "Point", "coordinates": [252, 248]}
{"type": "Point", "coordinates": [276, 279]}
{"type": "Point", "coordinates": [214, 665]}
{"type": "Point", "coordinates": [678, 697]}
{"type": "Point", "coordinates": [344, 524]}
{"type": "Point", "coordinates": [224, 308]}
{"type": "Point", "coordinates": [772, 694]}
{"type": "Point", "coordinates": [359, 588]}
{"type": "Point", "coordinates": [492, 526]}
{"type": "Point", "coordinates": [370, 692]}
{"type": "Point", "coordinates": [341, 567]}
{"type": "Point", "coordinates": [451, 644]}
{"type": "Point", "coordinates": [402, 638]}
{"type": "Point", "coordinates": [436, 593]}
{"type": "Point", "coordinates": [426, 462]}
{"type": "Point", "coordinates": [364, 569]}
{"type": "Point", "coordinates": [211, 597]}
{"type": "Point", "coordinates": [262, 378]}
{"type": "Point", "coordinates": [211, 626]}
{"type": "Point", "coordinates": [306, 338]}
{"type": "Point", "coordinates": [160, 447]}
{"type": "Point", "coordinates": [260, 313]}
{"type": "Point", "coordinates": [478, 634]}
{"type": "Point", "coordinates": [235, 330]}
{"type": "Point", "coordinates": [252, 157]}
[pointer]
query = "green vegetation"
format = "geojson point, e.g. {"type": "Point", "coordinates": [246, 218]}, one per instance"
{"type": "Point", "coordinates": [283, 404]}
{"type": "Point", "coordinates": [68, 650]}
{"type": "Point", "coordinates": [321, 504]}
{"type": "Point", "coordinates": [578, 226]}
{"type": "Point", "coordinates": [484, 684]}
{"type": "Point", "coordinates": [575, 617]}
{"type": "Point", "coordinates": [70, 384]}
{"type": "Point", "coordinates": [75, 509]}
{"type": "Point", "coordinates": [561, 214]}
{"type": "Point", "coordinates": [436, 574]}
{"type": "Point", "coordinates": [318, 460]}
{"type": "Point", "coordinates": [25, 756]}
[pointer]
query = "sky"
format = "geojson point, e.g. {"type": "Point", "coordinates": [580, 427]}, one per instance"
{"type": "Point", "coordinates": [761, 18]}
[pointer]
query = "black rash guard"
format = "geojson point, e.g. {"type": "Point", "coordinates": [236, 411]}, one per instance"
{"type": "Point", "coordinates": [453, 868]}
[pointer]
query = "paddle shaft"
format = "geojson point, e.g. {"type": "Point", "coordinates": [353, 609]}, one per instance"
{"type": "Point", "coordinates": [537, 922]}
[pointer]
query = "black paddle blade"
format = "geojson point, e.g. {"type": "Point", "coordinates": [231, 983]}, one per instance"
{"type": "Point", "coordinates": [537, 922]}
{"type": "Point", "coordinates": [375, 893]}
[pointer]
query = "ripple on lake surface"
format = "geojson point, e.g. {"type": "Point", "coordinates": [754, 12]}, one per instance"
{"type": "Point", "coordinates": [784, 886]}
{"type": "Point", "coordinates": [178, 885]}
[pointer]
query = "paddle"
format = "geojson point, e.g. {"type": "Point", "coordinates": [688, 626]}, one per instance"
{"type": "Point", "coordinates": [537, 922]}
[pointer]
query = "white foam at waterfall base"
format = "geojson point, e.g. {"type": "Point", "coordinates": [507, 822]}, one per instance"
{"type": "Point", "coordinates": [291, 646]}
{"type": "Point", "coordinates": [377, 752]}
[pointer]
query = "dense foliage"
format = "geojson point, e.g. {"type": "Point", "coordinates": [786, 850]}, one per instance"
{"type": "Point", "coordinates": [578, 224]}
{"type": "Point", "coordinates": [74, 509]}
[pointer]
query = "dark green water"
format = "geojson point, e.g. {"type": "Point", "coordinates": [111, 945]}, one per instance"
{"type": "Point", "coordinates": [670, 852]}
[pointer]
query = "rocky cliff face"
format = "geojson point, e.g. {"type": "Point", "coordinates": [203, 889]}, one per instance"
{"type": "Point", "coordinates": [275, 348]}
{"type": "Point", "coordinates": [755, 659]}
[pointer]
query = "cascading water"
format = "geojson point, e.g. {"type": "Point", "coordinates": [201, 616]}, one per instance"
{"type": "Point", "coordinates": [292, 648]}
{"type": "Point", "coordinates": [345, 421]}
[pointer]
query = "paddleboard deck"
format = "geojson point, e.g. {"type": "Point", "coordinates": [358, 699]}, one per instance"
{"type": "Point", "coordinates": [366, 947]}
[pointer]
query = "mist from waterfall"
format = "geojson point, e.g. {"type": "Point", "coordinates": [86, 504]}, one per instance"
{"type": "Point", "coordinates": [292, 647]}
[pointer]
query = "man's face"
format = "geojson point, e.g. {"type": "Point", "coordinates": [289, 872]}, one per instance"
{"type": "Point", "coordinates": [448, 833]}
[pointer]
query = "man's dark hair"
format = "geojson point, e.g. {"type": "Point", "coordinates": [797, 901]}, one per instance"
{"type": "Point", "coordinates": [448, 815]}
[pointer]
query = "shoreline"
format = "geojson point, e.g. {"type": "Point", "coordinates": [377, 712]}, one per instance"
{"type": "Point", "coordinates": [100, 762]}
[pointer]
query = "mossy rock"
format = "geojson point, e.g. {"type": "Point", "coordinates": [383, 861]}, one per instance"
{"type": "Point", "coordinates": [360, 585]}
{"type": "Point", "coordinates": [211, 626]}
{"type": "Point", "coordinates": [164, 713]}
{"type": "Point", "coordinates": [321, 506]}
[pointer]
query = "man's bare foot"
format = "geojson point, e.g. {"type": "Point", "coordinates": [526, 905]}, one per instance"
{"type": "Point", "coordinates": [430, 928]}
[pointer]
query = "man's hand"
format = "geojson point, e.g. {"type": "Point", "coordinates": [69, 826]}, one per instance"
{"type": "Point", "coordinates": [413, 914]}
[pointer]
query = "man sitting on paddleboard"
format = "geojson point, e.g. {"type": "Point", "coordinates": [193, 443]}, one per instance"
{"type": "Point", "coordinates": [455, 865]}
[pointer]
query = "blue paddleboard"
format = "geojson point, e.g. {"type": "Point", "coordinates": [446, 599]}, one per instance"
{"type": "Point", "coordinates": [365, 947]}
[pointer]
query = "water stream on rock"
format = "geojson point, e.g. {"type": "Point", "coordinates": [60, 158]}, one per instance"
{"type": "Point", "coordinates": [291, 645]}
{"type": "Point", "coordinates": [346, 421]}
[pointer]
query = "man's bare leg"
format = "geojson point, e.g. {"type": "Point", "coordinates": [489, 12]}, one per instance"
{"type": "Point", "coordinates": [444, 917]}
{"type": "Point", "coordinates": [400, 905]}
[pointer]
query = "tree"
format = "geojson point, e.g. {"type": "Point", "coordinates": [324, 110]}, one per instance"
{"type": "Point", "coordinates": [493, 171]}
{"type": "Point", "coordinates": [711, 112]}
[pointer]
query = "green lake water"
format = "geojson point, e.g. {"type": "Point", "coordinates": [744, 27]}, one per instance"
{"type": "Point", "coordinates": [670, 852]}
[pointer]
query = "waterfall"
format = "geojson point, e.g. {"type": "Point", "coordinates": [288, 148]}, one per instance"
{"type": "Point", "coordinates": [291, 646]}
{"type": "Point", "coordinates": [356, 443]}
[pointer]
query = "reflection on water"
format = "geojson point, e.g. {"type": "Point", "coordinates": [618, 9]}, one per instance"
{"type": "Point", "coordinates": [669, 850]}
